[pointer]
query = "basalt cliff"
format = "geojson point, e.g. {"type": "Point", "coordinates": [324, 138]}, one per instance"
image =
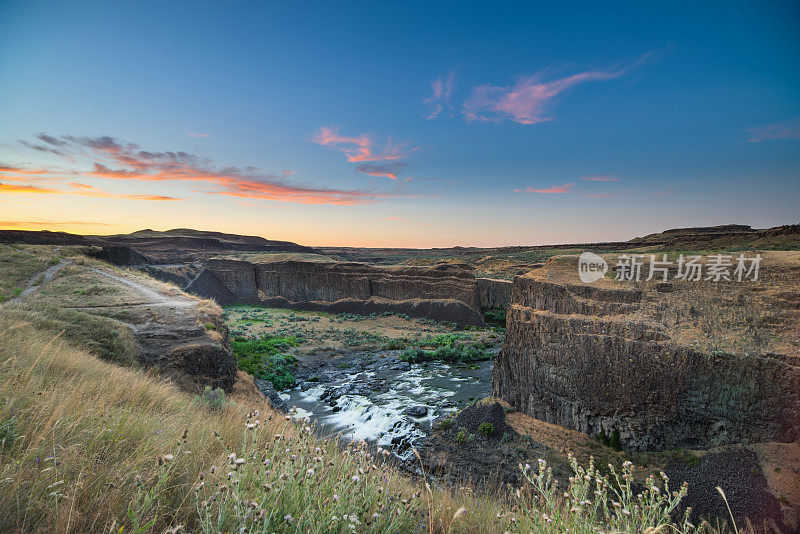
{"type": "Point", "coordinates": [443, 292]}
{"type": "Point", "coordinates": [661, 365]}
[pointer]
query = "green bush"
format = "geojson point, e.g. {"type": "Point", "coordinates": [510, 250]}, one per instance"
{"type": "Point", "coordinates": [452, 354]}
{"type": "Point", "coordinates": [495, 317]}
{"type": "Point", "coordinates": [263, 359]}
{"type": "Point", "coordinates": [461, 437]}
{"type": "Point", "coordinates": [487, 429]}
{"type": "Point", "coordinates": [615, 442]}
{"type": "Point", "coordinates": [8, 432]}
{"type": "Point", "coordinates": [212, 398]}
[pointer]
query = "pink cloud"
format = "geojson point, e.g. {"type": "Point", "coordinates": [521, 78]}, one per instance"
{"type": "Point", "coordinates": [395, 219]}
{"type": "Point", "coordinates": [555, 189]}
{"type": "Point", "coordinates": [383, 162]}
{"type": "Point", "coordinates": [601, 179]}
{"type": "Point", "coordinates": [440, 99]}
{"type": "Point", "coordinates": [113, 159]}
{"type": "Point", "coordinates": [199, 135]}
{"type": "Point", "coordinates": [528, 100]}
{"type": "Point", "coordinates": [360, 148]}
{"type": "Point", "coordinates": [780, 130]}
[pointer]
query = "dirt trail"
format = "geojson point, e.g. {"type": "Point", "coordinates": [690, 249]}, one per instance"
{"type": "Point", "coordinates": [154, 296]}
{"type": "Point", "coordinates": [39, 279]}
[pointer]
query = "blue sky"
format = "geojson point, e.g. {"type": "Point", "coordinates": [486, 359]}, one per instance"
{"type": "Point", "coordinates": [321, 123]}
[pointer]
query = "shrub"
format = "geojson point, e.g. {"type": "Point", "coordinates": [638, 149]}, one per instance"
{"type": "Point", "coordinates": [262, 358]}
{"type": "Point", "coordinates": [487, 429]}
{"type": "Point", "coordinates": [495, 317]}
{"type": "Point", "coordinates": [451, 354]}
{"type": "Point", "coordinates": [615, 442]}
{"type": "Point", "coordinates": [8, 432]}
{"type": "Point", "coordinates": [461, 437]}
{"type": "Point", "coordinates": [213, 398]}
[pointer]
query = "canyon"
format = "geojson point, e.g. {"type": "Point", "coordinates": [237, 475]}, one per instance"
{"type": "Point", "coordinates": [662, 365]}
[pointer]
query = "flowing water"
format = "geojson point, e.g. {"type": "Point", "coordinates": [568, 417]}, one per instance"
{"type": "Point", "coordinates": [370, 402]}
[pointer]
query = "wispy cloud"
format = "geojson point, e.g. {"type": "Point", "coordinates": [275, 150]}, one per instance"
{"type": "Point", "coordinates": [780, 130]}
{"type": "Point", "coordinates": [384, 170]}
{"type": "Point", "coordinates": [38, 222]}
{"type": "Point", "coordinates": [554, 189]}
{"type": "Point", "coordinates": [18, 188]}
{"type": "Point", "coordinates": [442, 88]}
{"type": "Point", "coordinates": [601, 179]}
{"type": "Point", "coordinates": [77, 189]}
{"type": "Point", "coordinates": [528, 100]}
{"type": "Point", "coordinates": [668, 191]}
{"type": "Point", "coordinates": [394, 219]}
{"type": "Point", "coordinates": [114, 159]}
{"type": "Point", "coordinates": [199, 135]}
{"type": "Point", "coordinates": [362, 150]}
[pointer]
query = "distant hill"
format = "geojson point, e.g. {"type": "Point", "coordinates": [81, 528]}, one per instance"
{"type": "Point", "coordinates": [181, 245]}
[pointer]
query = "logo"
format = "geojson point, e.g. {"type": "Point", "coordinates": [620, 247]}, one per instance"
{"type": "Point", "coordinates": [591, 267]}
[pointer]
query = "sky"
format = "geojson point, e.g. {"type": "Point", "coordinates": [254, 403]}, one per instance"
{"type": "Point", "coordinates": [399, 124]}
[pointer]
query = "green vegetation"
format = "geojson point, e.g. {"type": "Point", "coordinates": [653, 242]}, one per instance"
{"type": "Point", "coordinates": [212, 398]}
{"type": "Point", "coordinates": [263, 358]}
{"type": "Point", "coordinates": [8, 432]}
{"type": "Point", "coordinates": [615, 442]}
{"type": "Point", "coordinates": [495, 317]}
{"type": "Point", "coordinates": [454, 354]}
{"type": "Point", "coordinates": [487, 429]}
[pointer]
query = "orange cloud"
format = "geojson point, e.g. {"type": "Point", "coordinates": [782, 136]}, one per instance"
{"type": "Point", "coordinates": [13, 188]}
{"type": "Point", "coordinates": [555, 189]}
{"type": "Point", "coordinates": [132, 163]}
{"type": "Point", "coordinates": [601, 179]}
{"type": "Point", "coordinates": [91, 191]}
{"type": "Point", "coordinates": [82, 190]}
{"type": "Point", "coordinates": [20, 170]}
{"type": "Point", "coordinates": [395, 219]}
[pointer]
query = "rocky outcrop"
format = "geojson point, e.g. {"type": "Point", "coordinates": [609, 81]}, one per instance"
{"type": "Point", "coordinates": [590, 358]}
{"type": "Point", "coordinates": [208, 285]}
{"type": "Point", "coordinates": [493, 294]}
{"type": "Point", "coordinates": [443, 292]}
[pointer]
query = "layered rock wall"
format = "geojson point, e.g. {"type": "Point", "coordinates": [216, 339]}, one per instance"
{"type": "Point", "coordinates": [443, 292]}
{"type": "Point", "coordinates": [492, 293]}
{"type": "Point", "coordinates": [582, 357]}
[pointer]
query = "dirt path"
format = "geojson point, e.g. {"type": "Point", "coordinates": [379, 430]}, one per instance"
{"type": "Point", "coordinates": [154, 296]}
{"type": "Point", "coordinates": [39, 279]}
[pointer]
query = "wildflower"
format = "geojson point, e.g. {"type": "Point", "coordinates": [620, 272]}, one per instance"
{"type": "Point", "coordinates": [356, 478]}
{"type": "Point", "coordinates": [335, 497]}
{"type": "Point", "coordinates": [213, 469]}
{"type": "Point", "coordinates": [232, 457]}
{"type": "Point", "coordinates": [625, 511]}
{"type": "Point", "coordinates": [288, 518]}
{"type": "Point", "coordinates": [238, 461]}
{"type": "Point", "coordinates": [310, 471]}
